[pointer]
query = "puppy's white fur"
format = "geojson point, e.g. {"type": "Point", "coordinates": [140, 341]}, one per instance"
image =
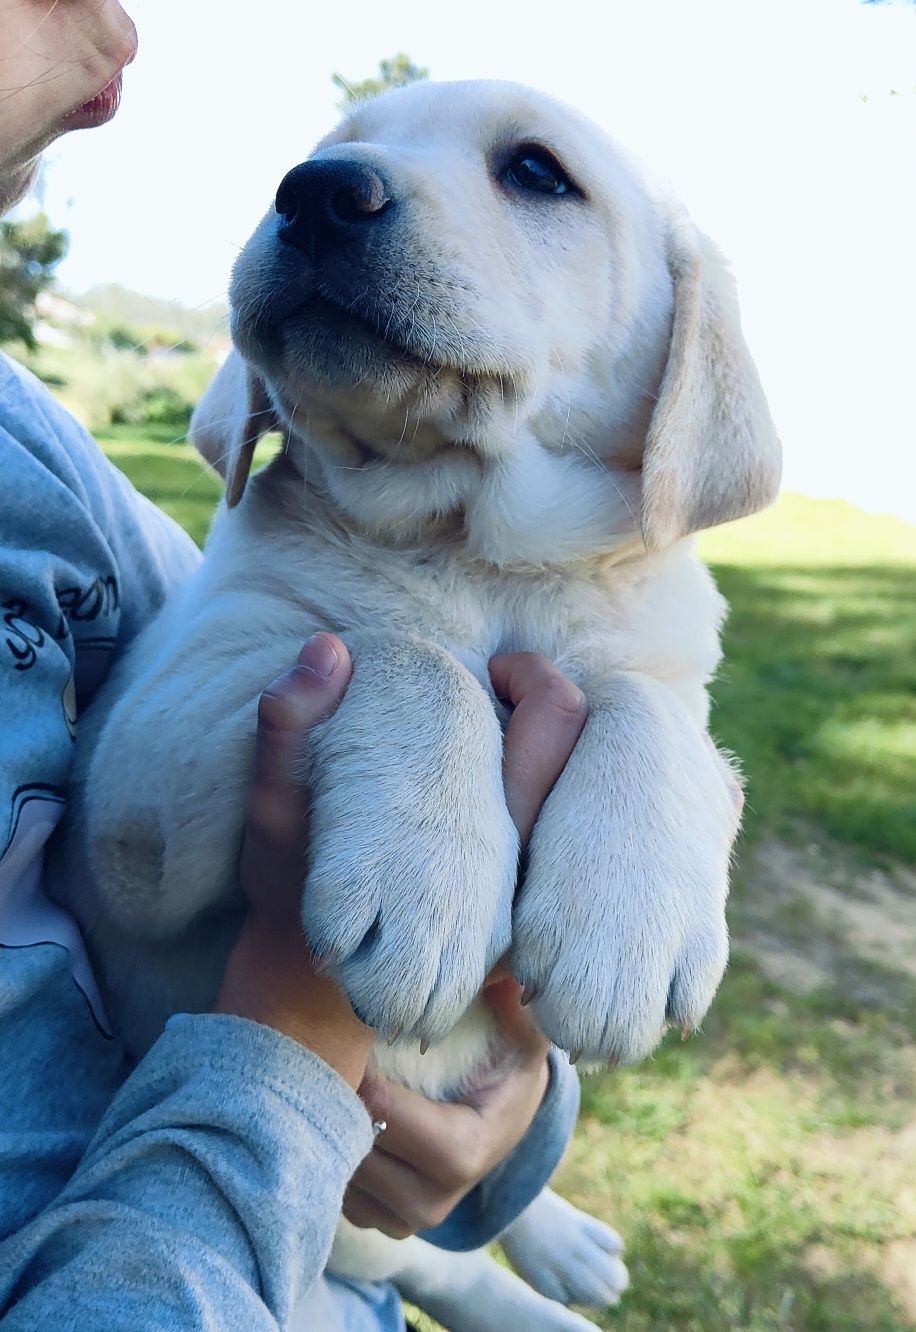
{"type": "Point", "coordinates": [499, 435]}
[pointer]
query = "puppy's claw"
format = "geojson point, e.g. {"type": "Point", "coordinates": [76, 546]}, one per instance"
{"type": "Point", "coordinates": [394, 1034]}
{"type": "Point", "coordinates": [529, 994]}
{"type": "Point", "coordinates": [575, 1056]}
{"type": "Point", "coordinates": [687, 1030]}
{"type": "Point", "coordinates": [424, 1046]}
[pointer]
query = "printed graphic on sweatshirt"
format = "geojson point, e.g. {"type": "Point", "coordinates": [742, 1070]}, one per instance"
{"type": "Point", "coordinates": [27, 915]}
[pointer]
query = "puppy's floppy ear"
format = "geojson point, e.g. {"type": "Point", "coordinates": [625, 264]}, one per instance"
{"type": "Point", "coordinates": [229, 420]}
{"type": "Point", "coordinates": [712, 453]}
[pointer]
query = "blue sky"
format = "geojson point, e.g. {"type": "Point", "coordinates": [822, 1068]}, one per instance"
{"type": "Point", "coordinates": [774, 121]}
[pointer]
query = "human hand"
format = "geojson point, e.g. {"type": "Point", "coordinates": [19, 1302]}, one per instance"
{"type": "Point", "coordinates": [432, 1153]}
{"type": "Point", "coordinates": [270, 976]}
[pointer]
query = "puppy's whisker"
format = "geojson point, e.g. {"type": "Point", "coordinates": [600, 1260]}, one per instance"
{"type": "Point", "coordinates": [145, 343]}
{"type": "Point", "coordinates": [397, 447]}
{"type": "Point", "coordinates": [587, 451]}
{"type": "Point", "coordinates": [391, 312]}
{"type": "Point", "coordinates": [566, 426]}
{"type": "Point", "coordinates": [413, 314]}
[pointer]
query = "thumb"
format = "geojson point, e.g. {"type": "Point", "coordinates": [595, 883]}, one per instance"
{"type": "Point", "coordinates": [287, 711]}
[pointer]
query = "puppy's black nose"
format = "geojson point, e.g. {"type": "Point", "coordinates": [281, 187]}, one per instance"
{"type": "Point", "coordinates": [324, 204]}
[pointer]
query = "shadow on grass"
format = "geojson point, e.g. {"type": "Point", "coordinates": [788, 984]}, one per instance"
{"type": "Point", "coordinates": [817, 696]}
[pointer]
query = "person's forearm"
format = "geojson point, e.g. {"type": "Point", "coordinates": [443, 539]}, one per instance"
{"type": "Point", "coordinates": [208, 1196]}
{"type": "Point", "coordinates": [269, 979]}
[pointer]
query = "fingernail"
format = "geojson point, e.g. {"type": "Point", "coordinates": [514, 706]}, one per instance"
{"type": "Point", "coordinates": [320, 656]}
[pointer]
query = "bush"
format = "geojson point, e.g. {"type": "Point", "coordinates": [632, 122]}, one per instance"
{"type": "Point", "coordinates": [143, 340]}
{"type": "Point", "coordinates": [120, 338]}
{"type": "Point", "coordinates": [102, 386]}
{"type": "Point", "coordinates": [160, 405]}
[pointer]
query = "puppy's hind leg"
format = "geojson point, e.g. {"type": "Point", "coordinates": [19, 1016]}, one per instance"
{"type": "Point", "coordinates": [470, 1292]}
{"type": "Point", "coordinates": [566, 1254]}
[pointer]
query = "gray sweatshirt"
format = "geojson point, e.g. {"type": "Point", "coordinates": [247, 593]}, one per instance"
{"type": "Point", "coordinates": [199, 1189]}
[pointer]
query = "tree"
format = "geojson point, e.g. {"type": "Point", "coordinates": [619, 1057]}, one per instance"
{"type": "Point", "coordinates": [29, 253]}
{"type": "Point", "coordinates": [395, 72]}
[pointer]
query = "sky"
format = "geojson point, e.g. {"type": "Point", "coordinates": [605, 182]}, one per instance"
{"type": "Point", "coordinates": [787, 127]}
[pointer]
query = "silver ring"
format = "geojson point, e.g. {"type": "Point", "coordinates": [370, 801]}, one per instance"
{"type": "Point", "coordinates": [378, 1126]}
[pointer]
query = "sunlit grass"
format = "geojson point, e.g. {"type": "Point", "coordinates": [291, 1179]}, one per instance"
{"type": "Point", "coordinates": [163, 465]}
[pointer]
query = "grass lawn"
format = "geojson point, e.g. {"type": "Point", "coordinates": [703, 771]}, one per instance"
{"type": "Point", "coordinates": [764, 1173]}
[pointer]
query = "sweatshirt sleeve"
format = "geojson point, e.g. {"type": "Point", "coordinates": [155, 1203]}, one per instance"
{"type": "Point", "coordinates": [506, 1191]}
{"type": "Point", "coordinates": [85, 562]}
{"type": "Point", "coordinates": [207, 1198]}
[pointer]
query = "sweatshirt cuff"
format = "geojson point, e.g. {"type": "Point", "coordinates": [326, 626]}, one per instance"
{"type": "Point", "coordinates": [265, 1059]}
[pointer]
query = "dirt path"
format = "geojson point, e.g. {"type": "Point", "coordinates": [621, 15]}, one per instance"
{"type": "Point", "coordinates": [813, 919]}
{"type": "Point", "coordinates": [806, 908]}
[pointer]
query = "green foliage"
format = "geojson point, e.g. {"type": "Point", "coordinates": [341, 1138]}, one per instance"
{"type": "Point", "coordinates": [102, 386]}
{"type": "Point", "coordinates": [146, 340]}
{"type": "Point", "coordinates": [29, 252]}
{"type": "Point", "coordinates": [159, 405]}
{"type": "Point", "coordinates": [395, 72]}
{"type": "Point", "coordinates": [120, 338]}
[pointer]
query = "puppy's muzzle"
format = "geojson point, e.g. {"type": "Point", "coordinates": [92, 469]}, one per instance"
{"type": "Point", "coordinates": [327, 206]}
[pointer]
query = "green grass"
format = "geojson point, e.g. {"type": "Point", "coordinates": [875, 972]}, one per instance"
{"type": "Point", "coordinates": [166, 468]}
{"type": "Point", "coordinates": [818, 691]}
{"type": "Point", "coordinates": [162, 464]}
{"type": "Point", "coordinates": [761, 1173]}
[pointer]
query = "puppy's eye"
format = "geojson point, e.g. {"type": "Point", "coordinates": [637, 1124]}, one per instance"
{"type": "Point", "coordinates": [535, 170]}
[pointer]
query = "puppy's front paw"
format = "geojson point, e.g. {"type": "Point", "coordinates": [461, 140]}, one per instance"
{"type": "Point", "coordinates": [412, 851]}
{"type": "Point", "coordinates": [609, 968]}
{"type": "Point", "coordinates": [410, 916]}
{"type": "Point", "coordinates": [610, 994]}
{"type": "Point", "coordinates": [620, 924]}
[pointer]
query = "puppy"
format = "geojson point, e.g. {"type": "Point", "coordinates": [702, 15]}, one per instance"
{"type": "Point", "coordinates": [511, 384]}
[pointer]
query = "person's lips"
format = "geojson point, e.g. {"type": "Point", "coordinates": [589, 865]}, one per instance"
{"type": "Point", "coordinates": [98, 110]}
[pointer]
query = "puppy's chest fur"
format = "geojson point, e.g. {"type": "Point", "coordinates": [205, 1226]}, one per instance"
{"type": "Point", "coordinates": [658, 615]}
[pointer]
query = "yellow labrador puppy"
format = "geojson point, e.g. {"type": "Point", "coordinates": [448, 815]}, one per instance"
{"type": "Point", "coordinates": [511, 384]}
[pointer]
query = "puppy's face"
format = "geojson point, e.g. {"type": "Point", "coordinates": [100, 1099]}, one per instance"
{"type": "Point", "coordinates": [463, 301]}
